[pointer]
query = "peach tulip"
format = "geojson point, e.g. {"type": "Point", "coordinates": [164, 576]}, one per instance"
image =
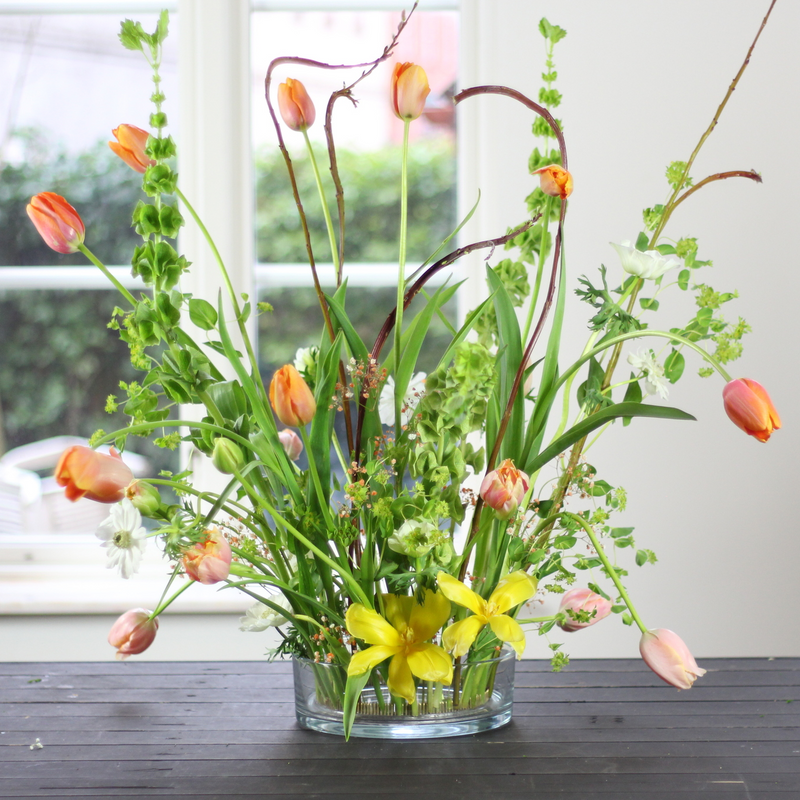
{"type": "Point", "coordinates": [583, 600]}
{"type": "Point", "coordinates": [667, 655]}
{"type": "Point", "coordinates": [86, 473]}
{"type": "Point", "coordinates": [295, 105]}
{"type": "Point", "coordinates": [130, 145]}
{"type": "Point", "coordinates": [291, 398]}
{"type": "Point", "coordinates": [503, 488]}
{"type": "Point", "coordinates": [58, 223]}
{"type": "Point", "coordinates": [555, 181]}
{"type": "Point", "coordinates": [409, 90]}
{"type": "Point", "coordinates": [291, 442]}
{"type": "Point", "coordinates": [133, 633]}
{"type": "Point", "coordinates": [750, 408]}
{"type": "Point", "coordinates": [209, 561]}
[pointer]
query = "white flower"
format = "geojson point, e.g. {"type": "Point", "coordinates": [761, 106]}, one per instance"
{"type": "Point", "coordinates": [259, 617]}
{"type": "Point", "coordinates": [650, 264]}
{"type": "Point", "coordinates": [124, 537]}
{"type": "Point", "coordinates": [414, 538]}
{"type": "Point", "coordinates": [305, 360]}
{"type": "Point", "coordinates": [416, 387]}
{"type": "Point", "coordinates": [654, 380]}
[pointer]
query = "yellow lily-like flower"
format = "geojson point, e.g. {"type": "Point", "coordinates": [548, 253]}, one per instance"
{"type": "Point", "coordinates": [403, 638]}
{"type": "Point", "coordinates": [514, 589]}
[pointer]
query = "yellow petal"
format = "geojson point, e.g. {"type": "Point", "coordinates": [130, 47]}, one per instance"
{"type": "Point", "coordinates": [426, 619]}
{"type": "Point", "coordinates": [398, 610]}
{"type": "Point", "coordinates": [458, 637]}
{"type": "Point", "coordinates": [514, 589]}
{"type": "Point", "coordinates": [369, 625]}
{"type": "Point", "coordinates": [365, 660]}
{"type": "Point", "coordinates": [431, 663]}
{"type": "Point", "coordinates": [457, 592]}
{"type": "Point", "coordinates": [508, 630]}
{"type": "Point", "coordinates": [401, 681]}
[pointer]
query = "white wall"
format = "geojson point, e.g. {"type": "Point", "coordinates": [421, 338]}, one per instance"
{"type": "Point", "coordinates": [641, 82]}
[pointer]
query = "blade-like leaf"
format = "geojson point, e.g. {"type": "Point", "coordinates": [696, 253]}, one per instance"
{"type": "Point", "coordinates": [352, 691]}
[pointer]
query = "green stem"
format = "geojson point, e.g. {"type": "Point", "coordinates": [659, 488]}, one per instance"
{"type": "Point", "coordinates": [312, 466]}
{"type": "Point", "coordinates": [163, 605]}
{"type": "Point", "coordinates": [610, 571]}
{"type": "Point", "coordinates": [401, 289]}
{"type": "Point", "coordinates": [326, 213]}
{"type": "Point", "coordinates": [104, 269]}
{"type": "Point", "coordinates": [545, 223]}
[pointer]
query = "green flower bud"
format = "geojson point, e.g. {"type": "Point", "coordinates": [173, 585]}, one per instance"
{"type": "Point", "coordinates": [227, 456]}
{"type": "Point", "coordinates": [145, 498]}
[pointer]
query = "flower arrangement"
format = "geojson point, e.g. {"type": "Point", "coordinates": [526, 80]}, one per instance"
{"type": "Point", "coordinates": [412, 546]}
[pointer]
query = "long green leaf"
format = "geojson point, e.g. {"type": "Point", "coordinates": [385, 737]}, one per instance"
{"type": "Point", "coordinates": [596, 421]}
{"type": "Point", "coordinates": [463, 332]}
{"type": "Point", "coordinates": [352, 691]}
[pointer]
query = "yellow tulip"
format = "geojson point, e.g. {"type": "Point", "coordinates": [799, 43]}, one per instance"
{"type": "Point", "coordinates": [514, 589]}
{"type": "Point", "coordinates": [402, 636]}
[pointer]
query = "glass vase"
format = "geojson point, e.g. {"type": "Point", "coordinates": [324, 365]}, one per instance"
{"type": "Point", "coordinates": [479, 699]}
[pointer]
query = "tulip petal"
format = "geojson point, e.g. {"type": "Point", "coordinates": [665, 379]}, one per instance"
{"type": "Point", "coordinates": [397, 609]}
{"type": "Point", "coordinates": [365, 660]}
{"type": "Point", "coordinates": [458, 637]}
{"type": "Point", "coordinates": [369, 625]}
{"type": "Point", "coordinates": [509, 630]}
{"type": "Point", "coordinates": [669, 657]}
{"type": "Point", "coordinates": [426, 619]}
{"type": "Point", "coordinates": [430, 663]}
{"type": "Point", "coordinates": [400, 680]}
{"type": "Point", "coordinates": [456, 591]}
{"type": "Point", "coordinates": [514, 589]}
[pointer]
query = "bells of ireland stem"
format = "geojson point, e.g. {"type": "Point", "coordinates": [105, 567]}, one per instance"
{"type": "Point", "coordinates": [503, 488]}
{"type": "Point", "coordinates": [667, 655]}
{"type": "Point", "coordinates": [291, 398]}
{"type": "Point", "coordinates": [555, 181]}
{"type": "Point", "coordinates": [409, 90]}
{"type": "Point", "coordinates": [130, 145]}
{"type": "Point", "coordinates": [84, 472]}
{"type": "Point", "coordinates": [227, 456]}
{"type": "Point", "coordinates": [58, 223]}
{"type": "Point", "coordinates": [750, 408]}
{"type": "Point", "coordinates": [133, 633]}
{"type": "Point", "coordinates": [295, 105]}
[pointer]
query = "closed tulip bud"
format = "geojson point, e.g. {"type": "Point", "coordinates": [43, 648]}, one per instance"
{"type": "Point", "coordinates": [409, 90]}
{"type": "Point", "coordinates": [750, 408]}
{"type": "Point", "coordinates": [57, 221]}
{"type": "Point", "coordinates": [291, 398]}
{"type": "Point", "coordinates": [227, 456]}
{"type": "Point", "coordinates": [295, 105]}
{"type": "Point", "coordinates": [291, 442]}
{"type": "Point", "coordinates": [86, 473]}
{"type": "Point", "coordinates": [667, 655]}
{"type": "Point", "coordinates": [503, 488]}
{"type": "Point", "coordinates": [144, 497]}
{"type": "Point", "coordinates": [130, 145]}
{"type": "Point", "coordinates": [133, 633]}
{"type": "Point", "coordinates": [209, 561]}
{"type": "Point", "coordinates": [582, 602]}
{"type": "Point", "coordinates": [555, 181]}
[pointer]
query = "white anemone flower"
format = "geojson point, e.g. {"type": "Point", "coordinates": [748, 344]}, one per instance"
{"type": "Point", "coordinates": [654, 380]}
{"type": "Point", "coordinates": [414, 538]}
{"type": "Point", "coordinates": [124, 538]}
{"type": "Point", "coordinates": [260, 616]}
{"type": "Point", "coordinates": [650, 264]}
{"type": "Point", "coordinates": [415, 390]}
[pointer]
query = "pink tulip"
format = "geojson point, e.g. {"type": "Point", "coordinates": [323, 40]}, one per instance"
{"type": "Point", "coordinates": [295, 105]}
{"type": "Point", "coordinates": [291, 442]}
{"type": "Point", "coordinates": [209, 561]}
{"type": "Point", "coordinates": [409, 90]}
{"type": "Point", "coordinates": [503, 488]}
{"type": "Point", "coordinates": [86, 473]}
{"type": "Point", "coordinates": [667, 655]}
{"type": "Point", "coordinates": [133, 633]}
{"type": "Point", "coordinates": [577, 600]}
{"type": "Point", "coordinates": [58, 223]}
{"type": "Point", "coordinates": [750, 408]}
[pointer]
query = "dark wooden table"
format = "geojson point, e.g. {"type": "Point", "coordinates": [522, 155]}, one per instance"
{"type": "Point", "coordinates": [599, 729]}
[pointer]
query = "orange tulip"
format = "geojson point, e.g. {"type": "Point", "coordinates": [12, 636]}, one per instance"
{"type": "Point", "coordinates": [409, 90]}
{"type": "Point", "coordinates": [555, 181]}
{"type": "Point", "coordinates": [209, 561]}
{"type": "Point", "coordinates": [291, 398]}
{"type": "Point", "coordinates": [296, 108]}
{"type": "Point", "coordinates": [86, 473]}
{"type": "Point", "coordinates": [57, 221]}
{"type": "Point", "coordinates": [750, 408]}
{"type": "Point", "coordinates": [133, 633]}
{"type": "Point", "coordinates": [503, 488]}
{"type": "Point", "coordinates": [130, 145]}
